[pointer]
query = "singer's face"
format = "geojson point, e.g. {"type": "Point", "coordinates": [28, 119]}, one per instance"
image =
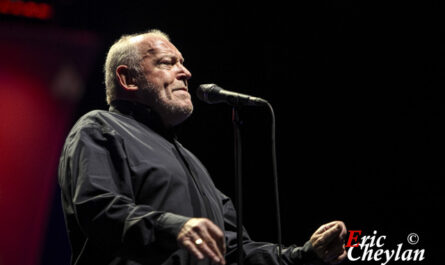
{"type": "Point", "coordinates": [166, 87]}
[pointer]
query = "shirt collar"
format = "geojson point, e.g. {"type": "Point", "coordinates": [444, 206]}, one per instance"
{"type": "Point", "coordinates": [143, 114]}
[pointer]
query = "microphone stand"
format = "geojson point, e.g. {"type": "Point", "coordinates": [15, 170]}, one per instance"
{"type": "Point", "coordinates": [238, 182]}
{"type": "Point", "coordinates": [211, 93]}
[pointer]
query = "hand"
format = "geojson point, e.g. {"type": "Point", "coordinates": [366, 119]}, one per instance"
{"type": "Point", "coordinates": [328, 242]}
{"type": "Point", "coordinates": [203, 239]}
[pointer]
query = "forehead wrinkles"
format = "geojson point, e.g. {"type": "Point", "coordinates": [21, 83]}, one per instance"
{"type": "Point", "coordinates": [157, 47]}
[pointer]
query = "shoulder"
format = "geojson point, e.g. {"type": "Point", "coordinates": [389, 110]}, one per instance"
{"type": "Point", "coordinates": [95, 124]}
{"type": "Point", "coordinates": [104, 120]}
{"type": "Point", "coordinates": [94, 119]}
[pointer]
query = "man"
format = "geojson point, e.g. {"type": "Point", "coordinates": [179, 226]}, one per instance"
{"type": "Point", "coordinates": [132, 194]}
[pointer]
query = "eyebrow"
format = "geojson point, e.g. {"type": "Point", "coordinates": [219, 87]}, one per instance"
{"type": "Point", "coordinates": [154, 51]}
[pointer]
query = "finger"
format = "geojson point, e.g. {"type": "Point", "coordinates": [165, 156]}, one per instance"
{"type": "Point", "coordinates": [207, 245]}
{"type": "Point", "coordinates": [218, 235]}
{"type": "Point", "coordinates": [210, 253]}
{"type": "Point", "coordinates": [325, 227]}
{"type": "Point", "coordinates": [191, 247]}
{"type": "Point", "coordinates": [211, 247]}
{"type": "Point", "coordinates": [326, 238]}
{"type": "Point", "coordinates": [343, 230]}
{"type": "Point", "coordinates": [334, 250]}
{"type": "Point", "coordinates": [205, 249]}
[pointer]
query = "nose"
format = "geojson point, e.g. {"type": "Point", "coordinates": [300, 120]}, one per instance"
{"type": "Point", "coordinates": [184, 73]}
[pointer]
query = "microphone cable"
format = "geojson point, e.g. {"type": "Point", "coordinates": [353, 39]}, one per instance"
{"type": "Point", "coordinates": [275, 178]}
{"type": "Point", "coordinates": [211, 93]}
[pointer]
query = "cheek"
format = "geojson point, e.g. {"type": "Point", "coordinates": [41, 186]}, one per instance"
{"type": "Point", "coordinates": [168, 79]}
{"type": "Point", "coordinates": [157, 74]}
{"type": "Point", "coordinates": [162, 79]}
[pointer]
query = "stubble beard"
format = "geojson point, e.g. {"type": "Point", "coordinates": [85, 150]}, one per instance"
{"type": "Point", "coordinates": [171, 112]}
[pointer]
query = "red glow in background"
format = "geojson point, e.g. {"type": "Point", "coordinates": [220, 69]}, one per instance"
{"type": "Point", "coordinates": [40, 83]}
{"type": "Point", "coordinates": [27, 9]}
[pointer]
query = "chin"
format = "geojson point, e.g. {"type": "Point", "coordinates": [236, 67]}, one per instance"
{"type": "Point", "coordinates": [178, 114]}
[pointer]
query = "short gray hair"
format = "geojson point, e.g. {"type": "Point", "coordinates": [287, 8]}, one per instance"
{"type": "Point", "coordinates": [124, 52]}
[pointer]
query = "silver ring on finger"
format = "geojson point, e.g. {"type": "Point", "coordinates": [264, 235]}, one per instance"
{"type": "Point", "coordinates": [198, 241]}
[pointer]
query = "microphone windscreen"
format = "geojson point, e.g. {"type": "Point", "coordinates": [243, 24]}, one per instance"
{"type": "Point", "coordinates": [206, 91]}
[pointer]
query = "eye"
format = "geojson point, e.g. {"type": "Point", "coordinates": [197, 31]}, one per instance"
{"type": "Point", "coordinates": [166, 61]}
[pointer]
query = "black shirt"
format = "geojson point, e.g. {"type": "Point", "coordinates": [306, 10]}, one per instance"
{"type": "Point", "coordinates": [128, 186]}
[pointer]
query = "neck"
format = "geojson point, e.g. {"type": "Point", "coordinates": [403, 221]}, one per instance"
{"type": "Point", "coordinates": [144, 114]}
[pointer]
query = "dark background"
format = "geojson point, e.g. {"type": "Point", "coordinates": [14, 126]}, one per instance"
{"type": "Point", "coordinates": [357, 89]}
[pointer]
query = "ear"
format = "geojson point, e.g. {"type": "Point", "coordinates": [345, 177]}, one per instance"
{"type": "Point", "coordinates": [125, 79]}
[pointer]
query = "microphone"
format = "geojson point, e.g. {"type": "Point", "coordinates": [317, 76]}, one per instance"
{"type": "Point", "coordinates": [211, 94]}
